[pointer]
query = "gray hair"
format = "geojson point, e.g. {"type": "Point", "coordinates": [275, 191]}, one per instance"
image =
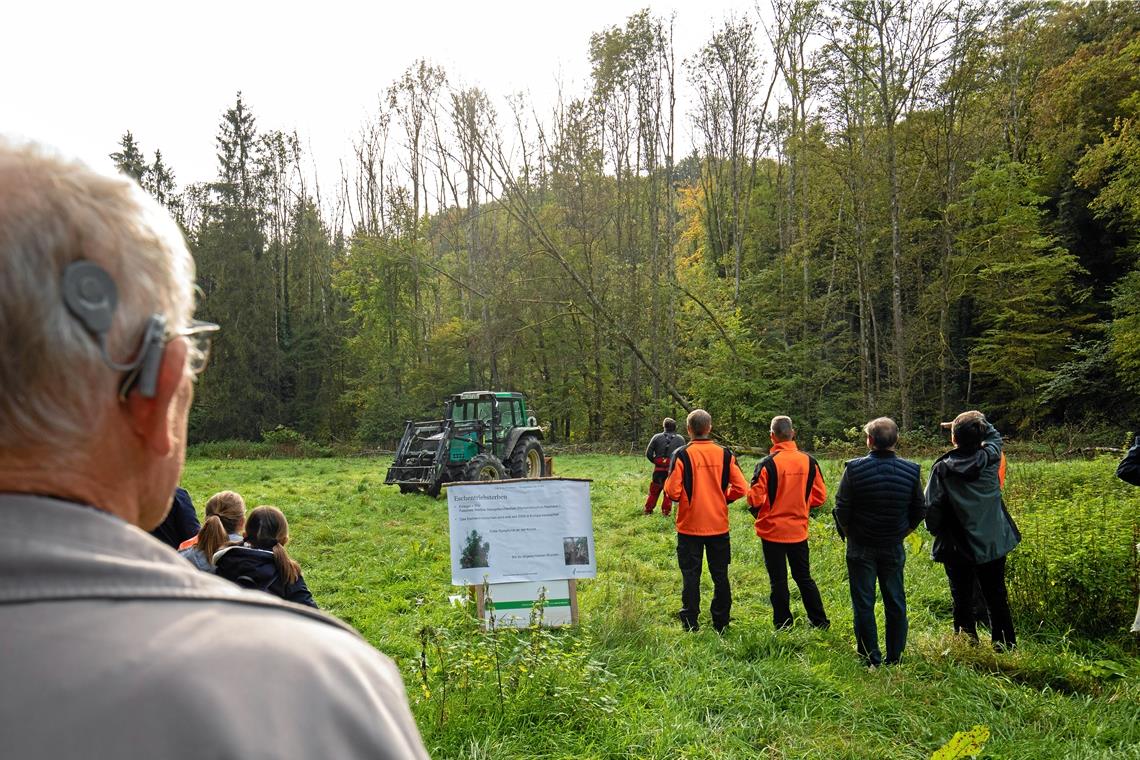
{"type": "Point", "coordinates": [883, 432]}
{"type": "Point", "coordinates": [782, 428]}
{"type": "Point", "coordinates": [54, 385]}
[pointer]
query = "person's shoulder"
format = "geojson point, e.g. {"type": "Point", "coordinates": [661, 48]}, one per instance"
{"type": "Point", "coordinates": [267, 637]}
{"type": "Point", "coordinates": [339, 696]}
{"type": "Point", "coordinates": [909, 464]}
{"type": "Point", "coordinates": [182, 502]}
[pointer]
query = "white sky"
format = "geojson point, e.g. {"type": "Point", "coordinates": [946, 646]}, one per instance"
{"type": "Point", "coordinates": [77, 75]}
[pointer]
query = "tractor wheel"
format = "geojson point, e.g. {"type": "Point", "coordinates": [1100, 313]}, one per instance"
{"type": "Point", "coordinates": [484, 467]}
{"type": "Point", "coordinates": [433, 490]}
{"type": "Point", "coordinates": [527, 460]}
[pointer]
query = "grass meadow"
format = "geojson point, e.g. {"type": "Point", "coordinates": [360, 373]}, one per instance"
{"type": "Point", "coordinates": [629, 683]}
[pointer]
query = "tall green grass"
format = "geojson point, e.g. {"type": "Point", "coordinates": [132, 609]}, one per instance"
{"type": "Point", "coordinates": [628, 683]}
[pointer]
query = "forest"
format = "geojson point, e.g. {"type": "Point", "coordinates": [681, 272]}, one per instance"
{"type": "Point", "coordinates": [832, 210]}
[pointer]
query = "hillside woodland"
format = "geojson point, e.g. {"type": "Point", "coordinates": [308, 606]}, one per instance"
{"type": "Point", "coordinates": [830, 209]}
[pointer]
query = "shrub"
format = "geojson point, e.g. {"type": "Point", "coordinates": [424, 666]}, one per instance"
{"type": "Point", "coordinates": [279, 443]}
{"type": "Point", "coordinates": [1076, 567]}
{"type": "Point", "coordinates": [533, 677]}
{"type": "Point", "coordinates": [231, 449]}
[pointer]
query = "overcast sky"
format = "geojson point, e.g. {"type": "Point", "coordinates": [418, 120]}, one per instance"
{"type": "Point", "coordinates": [79, 74]}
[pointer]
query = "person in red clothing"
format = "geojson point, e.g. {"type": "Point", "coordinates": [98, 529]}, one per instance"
{"type": "Point", "coordinates": [660, 453]}
{"type": "Point", "coordinates": [786, 486]}
{"type": "Point", "coordinates": [704, 480]}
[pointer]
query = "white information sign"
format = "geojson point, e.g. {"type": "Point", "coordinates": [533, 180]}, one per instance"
{"type": "Point", "coordinates": [510, 531]}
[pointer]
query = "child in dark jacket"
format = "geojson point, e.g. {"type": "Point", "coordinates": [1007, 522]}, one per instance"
{"type": "Point", "coordinates": [261, 562]}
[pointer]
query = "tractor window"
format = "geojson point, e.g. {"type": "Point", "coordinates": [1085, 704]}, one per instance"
{"type": "Point", "coordinates": [520, 418]}
{"type": "Point", "coordinates": [484, 412]}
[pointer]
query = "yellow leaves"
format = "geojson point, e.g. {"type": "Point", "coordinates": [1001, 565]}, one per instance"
{"type": "Point", "coordinates": [692, 211]}
{"type": "Point", "coordinates": [963, 744]}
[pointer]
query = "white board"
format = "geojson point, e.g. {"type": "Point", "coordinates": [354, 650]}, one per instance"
{"type": "Point", "coordinates": [513, 531]}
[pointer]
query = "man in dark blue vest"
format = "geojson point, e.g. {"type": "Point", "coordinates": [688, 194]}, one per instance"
{"type": "Point", "coordinates": [878, 503]}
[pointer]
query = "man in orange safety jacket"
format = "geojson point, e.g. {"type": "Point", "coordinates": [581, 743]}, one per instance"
{"type": "Point", "coordinates": [786, 485]}
{"type": "Point", "coordinates": [703, 480]}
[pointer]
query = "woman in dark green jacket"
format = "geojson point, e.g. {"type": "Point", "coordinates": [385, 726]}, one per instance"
{"type": "Point", "coordinates": [972, 530]}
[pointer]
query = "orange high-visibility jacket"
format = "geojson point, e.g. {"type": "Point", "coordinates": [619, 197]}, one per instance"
{"type": "Point", "coordinates": [705, 512]}
{"type": "Point", "coordinates": [785, 520]}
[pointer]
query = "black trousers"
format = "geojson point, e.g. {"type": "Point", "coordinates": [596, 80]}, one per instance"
{"type": "Point", "coordinates": [691, 551]}
{"type": "Point", "coordinates": [990, 577]}
{"type": "Point", "coordinates": [796, 557]}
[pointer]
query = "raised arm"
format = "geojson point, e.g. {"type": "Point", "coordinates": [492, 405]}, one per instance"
{"type": "Point", "coordinates": [991, 444]}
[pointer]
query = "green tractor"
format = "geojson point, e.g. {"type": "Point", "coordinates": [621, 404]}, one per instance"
{"type": "Point", "coordinates": [484, 435]}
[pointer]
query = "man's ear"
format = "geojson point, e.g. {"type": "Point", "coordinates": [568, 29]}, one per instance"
{"type": "Point", "coordinates": [150, 417]}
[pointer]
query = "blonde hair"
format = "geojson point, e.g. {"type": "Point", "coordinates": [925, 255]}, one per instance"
{"type": "Point", "coordinates": [54, 384]}
{"type": "Point", "coordinates": [699, 422]}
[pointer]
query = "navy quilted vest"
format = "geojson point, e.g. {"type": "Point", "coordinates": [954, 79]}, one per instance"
{"type": "Point", "coordinates": [881, 487]}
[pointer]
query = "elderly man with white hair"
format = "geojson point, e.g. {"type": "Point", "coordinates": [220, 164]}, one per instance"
{"type": "Point", "coordinates": [113, 645]}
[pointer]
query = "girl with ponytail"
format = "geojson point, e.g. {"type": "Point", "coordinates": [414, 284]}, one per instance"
{"type": "Point", "coordinates": [225, 519]}
{"type": "Point", "coordinates": [261, 562]}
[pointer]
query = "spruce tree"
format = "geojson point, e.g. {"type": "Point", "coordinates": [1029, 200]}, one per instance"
{"type": "Point", "coordinates": [129, 158]}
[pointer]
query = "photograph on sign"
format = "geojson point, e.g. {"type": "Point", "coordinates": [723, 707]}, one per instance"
{"type": "Point", "coordinates": [510, 531]}
{"type": "Point", "coordinates": [511, 605]}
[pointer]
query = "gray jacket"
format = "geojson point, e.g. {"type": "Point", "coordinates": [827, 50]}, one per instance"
{"type": "Point", "coordinates": [111, 645]}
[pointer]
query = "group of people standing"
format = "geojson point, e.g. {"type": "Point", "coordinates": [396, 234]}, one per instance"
{"type": "Point", "coordinates": [880, 500]}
